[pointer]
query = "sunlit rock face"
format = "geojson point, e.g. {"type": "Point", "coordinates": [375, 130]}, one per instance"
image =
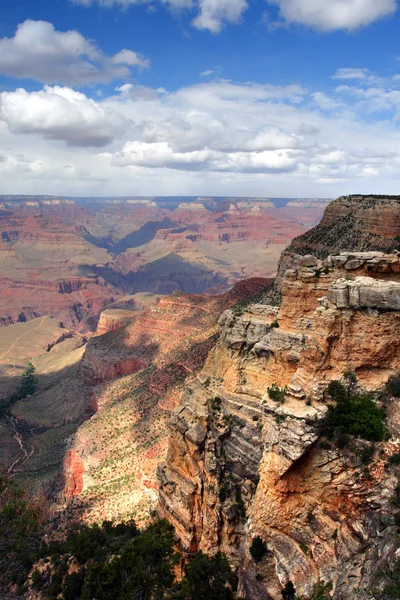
{"type": "Point", "coordinates": [241, 464]}
{"type": "Point", "coordinates": [366, 224]}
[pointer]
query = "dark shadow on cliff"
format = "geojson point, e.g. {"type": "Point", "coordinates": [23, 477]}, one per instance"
{"type": "Point", "coordinates": [163, 276]}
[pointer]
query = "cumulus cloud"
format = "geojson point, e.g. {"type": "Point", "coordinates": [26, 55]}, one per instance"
{"type": "Point", "coordinates": [201, 131]}
{"type": "Point", "coordinates": [212, 14]}
{"type": "Point", "coordinates": [38, 51]}
{"type": "Point", "coordinates": [209, 138]}
{"type": "Point", "coordinates": [330, 15]}
{"type": "Point", "coordinates": [162, 155]}
{"type": "Point", "coordinates": [61, 114]}
{"type": "Point", "coordinates": [349, 73]}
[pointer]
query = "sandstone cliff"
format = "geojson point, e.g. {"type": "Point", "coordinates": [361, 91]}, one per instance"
{"type": "Point", "coordinates": [240, 464]}
{"type": "Point", "coordinates": [135, 374]}
{"type": "Point", "coordinates": [352, 223]}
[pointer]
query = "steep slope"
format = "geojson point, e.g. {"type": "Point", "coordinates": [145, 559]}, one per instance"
{"type": "Point", "coordinates": [137, 376]}
{"type": "Point", "coordinates": [93, 432]}
{"type": "Point", "coordinates": [241, 464]}
{"type": "Point", "coordinates": [350, 223]}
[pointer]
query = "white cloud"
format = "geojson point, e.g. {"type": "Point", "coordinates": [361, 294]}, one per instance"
{"type": "Point", "coordinates": [161, 154]}
{"type": "Point", "coordinates": [217, 138]}
{"type": "Point", "coordinates": [214, 13]}
{"type": "Point", "coordinates": [207, 73]}
{"type": "Point", "coordinates": [330, 15]}
{"type": "Point", "coordinates": [325, 15]}
{"type": "Point", "coordinates": [350, 73]}
{"type": "Point", "coordinates": [40, 52]}
{"type": "Point", "coordinates": [130, 58]}
{"type": "Point", "coordinates": [61, 114]}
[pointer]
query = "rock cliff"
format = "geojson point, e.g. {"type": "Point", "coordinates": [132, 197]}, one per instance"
{"type": "Point", "coordinates": [135, 373]}
{"type": "Point", "coordinates": [352, 223]}
{"type": "Point", "coordinates": [241, 465]}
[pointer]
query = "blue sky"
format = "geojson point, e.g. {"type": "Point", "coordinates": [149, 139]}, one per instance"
{"type": "Point", "coordinates": [219, 97]}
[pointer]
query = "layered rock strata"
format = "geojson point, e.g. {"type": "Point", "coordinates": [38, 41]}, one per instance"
{"type": "Point", "coordinates": [356, 223]}
{"type": "Point", "coordinates": [240, 464]}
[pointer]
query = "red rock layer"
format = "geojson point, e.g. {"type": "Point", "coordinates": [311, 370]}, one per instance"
{"type": "Point", "coordinates": [74, 470]}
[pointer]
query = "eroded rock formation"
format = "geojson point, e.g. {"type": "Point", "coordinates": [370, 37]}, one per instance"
{"type": "Point", "coordinates": [241, 464]}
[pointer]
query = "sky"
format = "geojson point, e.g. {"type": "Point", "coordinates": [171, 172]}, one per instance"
{"type": "Point", "coordinates": [280, 98]}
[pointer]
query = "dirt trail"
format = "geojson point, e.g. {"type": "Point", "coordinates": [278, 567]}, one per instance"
{"type": "Point", "coordinates": [26, 449]}
{"type": "Point", "coordinates": [20, 337]}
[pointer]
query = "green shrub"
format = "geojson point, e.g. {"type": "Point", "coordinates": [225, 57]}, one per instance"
{"type": "Point", "coordinates": [367, 455]}
{"type": "Point", "coordinates": [353, 413]}
{"type": "Point", "coordinates": [275, 324]}
{"type": "Point", "coordinates": [207, 578]}
{"type": "Point", "coordinates": [289, 592]}
{"type": "Point", "coordinates": [258, 549]}
{"type": "Point", "coordinates": [239, 501]}
{"type": "Point", "coordinates": [28, 382]}
{"type": "Point", "coordinates": [304, 547]}
{"type": "Point", "coordinates": [20, 520]}
{"type": "Point", "coordinates": [395, 459]}
{"type": "Point", "coordinates": [276, 393]}
{"type": "Point", "coordinates": [36, 579]}
{"type": "Point", "coordinates": [320, 592]}
{"type": "Point", "coordinates": [396, 496]}
{"type": "Point", "coordinates": [393, 386]}
{"type": "Point", "coordinates": [391, 590]}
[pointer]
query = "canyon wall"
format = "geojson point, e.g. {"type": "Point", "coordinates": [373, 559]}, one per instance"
{"type": "Point", "coordinates": [134, 372]}
{"type": "Point", "coordinates": [241, 465]}
{"type": "Point", "coordinates": [71, 259]}
{"type": "Point", "coordinates": [353, 223]}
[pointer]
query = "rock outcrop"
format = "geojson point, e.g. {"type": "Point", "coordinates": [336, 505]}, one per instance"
{"type": "Point", "coordinates": [353, 223]}
{"type": "Point", "coordinates": [359, 223]}
{"type": "Point", "coordinates": [241, 464]}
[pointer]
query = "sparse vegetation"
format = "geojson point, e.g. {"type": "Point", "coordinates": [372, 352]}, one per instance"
{"type": "Point", "coordinates": [20, 521]}
{"type": "Point", "coordinates": [258, 549]}
{"type": "Point", "coordinates": [240, 307]}
{"type": "Point", "coordinates": [321, 591]}
{"type": "Point", "coordinates": [276, 393]}
{"type": "Point", "coordinates": [352, 414]}
{"type": "Point", "coordinates": [393, 386]}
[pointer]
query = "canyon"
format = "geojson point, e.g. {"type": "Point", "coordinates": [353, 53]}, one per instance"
{"type": "Point", "coordinates": [70, 259]}
{"type": "Point", "coordinates": [96, 426]}
{"type": "Point", "coordinates": [208, 409]}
